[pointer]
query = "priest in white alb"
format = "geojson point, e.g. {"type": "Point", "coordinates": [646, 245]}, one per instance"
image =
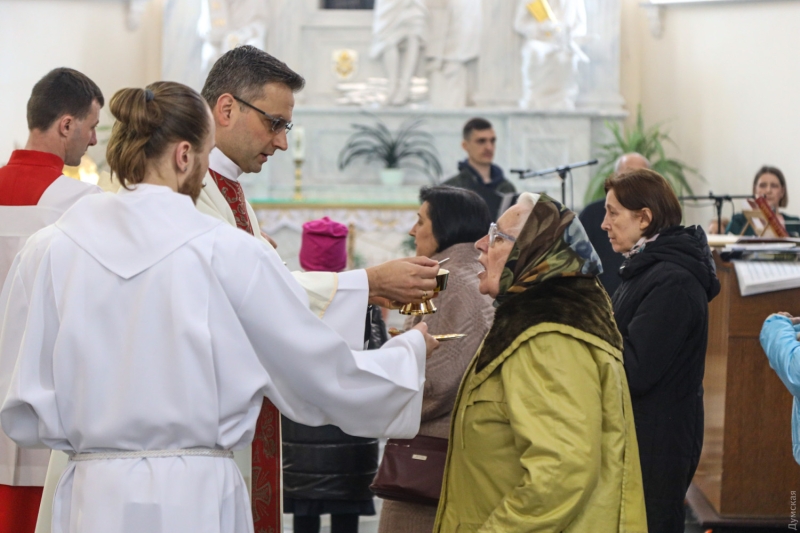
{"type": "Point", "coordinates": [192, 323]}
{"type": "Point", "coordinates": [251, 95]}
{"type": "Point", "coordinates": [63, 113]}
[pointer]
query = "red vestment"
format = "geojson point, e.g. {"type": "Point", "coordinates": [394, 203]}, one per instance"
{"type": "Point", "coordinates": [27, 175]}
{"type": "Point", "coordinates": [22, 182]}
{"type": "Point", "coordinates": [266, 496]}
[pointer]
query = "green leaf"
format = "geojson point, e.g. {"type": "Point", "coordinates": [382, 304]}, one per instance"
{"type": "Point", "coordinates": [647, 141]}
{"type": "Point", "coordinates": [408, 146]}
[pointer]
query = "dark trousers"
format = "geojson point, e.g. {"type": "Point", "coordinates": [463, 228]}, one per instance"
{"type": "Point", "coordinates": [340, 523]}
{"type": "Point", "coordinates": [665, 516]}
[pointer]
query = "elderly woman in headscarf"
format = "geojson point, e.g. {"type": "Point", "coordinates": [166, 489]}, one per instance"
{"type": "Point", "coordinates": [542, 436]}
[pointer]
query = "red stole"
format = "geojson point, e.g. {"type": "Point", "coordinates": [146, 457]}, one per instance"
{"type": "Point", "coordinates": [28, 174]}
{"type": "Point", "coordinates": [266, 498]}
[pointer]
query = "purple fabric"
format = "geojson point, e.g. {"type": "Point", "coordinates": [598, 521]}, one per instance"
{"type": "Point", "coordinates": [324, 246]}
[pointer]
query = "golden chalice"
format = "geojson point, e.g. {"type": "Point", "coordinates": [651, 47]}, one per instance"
{"type": "Point", "coordinates": [427, 307]}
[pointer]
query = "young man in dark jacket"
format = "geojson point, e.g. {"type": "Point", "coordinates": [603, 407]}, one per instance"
{"type": "Point", "coordinates": [477, 173]}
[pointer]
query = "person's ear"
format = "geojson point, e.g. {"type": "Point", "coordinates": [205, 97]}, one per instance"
{"type": "Point", "coordinates": [183, 156]}
{"type": "Point", "coordinates": [66, 125]}
{"type": "Point", "coordinates": [464, 145]}
{"type": "Point", "coordinates": [645, 218]}
{"type": "Point", "coordinates": [223, 110]}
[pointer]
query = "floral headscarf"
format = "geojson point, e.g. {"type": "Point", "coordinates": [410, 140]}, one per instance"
{"type": "Point", "coordinates": [552, 244]}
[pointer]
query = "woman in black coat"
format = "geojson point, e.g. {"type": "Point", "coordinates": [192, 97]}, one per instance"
{"type": "Point", "coordinates": [661, 309]}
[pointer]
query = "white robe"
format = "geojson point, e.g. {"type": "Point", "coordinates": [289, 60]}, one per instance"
{"type": "Point", "coordinates": [342, 295]}
{"type": "Point", "coordinates": [20, 466]}
{"type": "Point", "coordinates": [339, 299]}
{"type": "Point", "coordinates": [192, 322]}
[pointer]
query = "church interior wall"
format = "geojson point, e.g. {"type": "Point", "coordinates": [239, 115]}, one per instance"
{"type": "Point", "coordinates": [88, 35]}
{"type": "Point", "coordinates": [724, 79]}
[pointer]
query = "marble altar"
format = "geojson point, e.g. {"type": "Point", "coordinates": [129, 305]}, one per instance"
{"type": "Point", "coordinates": [525, 139]}
{"type": "Point", "coordinates": [304, 35]}
{"type": "Point", "coordinates": [313, 40]}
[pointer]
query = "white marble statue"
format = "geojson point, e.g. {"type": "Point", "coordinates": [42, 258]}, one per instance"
{"type": "Point", "coordinates": [232, 23]}
{"type": "Point", "coordinates": [452, 49]}
{"type": "Point", "coordinates": [551, 54]}
{"type": "Point", "coordinates": [398, 24]}
{"type": "Point", "coordinates": [135, 12]}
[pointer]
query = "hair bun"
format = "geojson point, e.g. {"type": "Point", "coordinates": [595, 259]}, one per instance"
{"type": "Point", "coordinates": [130, 107]}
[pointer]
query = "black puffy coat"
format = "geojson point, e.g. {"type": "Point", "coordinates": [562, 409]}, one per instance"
{"type": "Point", "coordinates": [325, 463]}
{"type": "Point", "coordinates": [661, 309]}
{"type": "Point", "coordinates": [592, 218]}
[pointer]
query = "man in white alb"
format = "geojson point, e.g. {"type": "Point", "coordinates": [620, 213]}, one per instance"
{"type": "Point", "coordinates": [251, 95]}
{"type": "Point", "coordinates": [193, 323]}
{"type": "Point", "coordinates": [63, 112]}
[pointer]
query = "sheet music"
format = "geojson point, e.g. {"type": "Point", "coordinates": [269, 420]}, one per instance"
{"type": "Point", "coordinates": [757, 277]}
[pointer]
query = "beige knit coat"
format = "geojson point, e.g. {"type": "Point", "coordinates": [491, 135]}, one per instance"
{"type": "Point", "coordinates": [461, 309]}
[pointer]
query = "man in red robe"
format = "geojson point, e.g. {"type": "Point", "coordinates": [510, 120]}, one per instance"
{"type": "Point", "coordinates": [63, 112]}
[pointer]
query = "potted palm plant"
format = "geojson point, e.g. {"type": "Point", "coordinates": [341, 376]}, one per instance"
{"type": "Point", "coordinates": [650, 143]}
{"type": "Point", "coordinates": [409, 147]}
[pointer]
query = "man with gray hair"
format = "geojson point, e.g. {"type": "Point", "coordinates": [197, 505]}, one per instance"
{"type": "Point", "coordinates": [592, 217]}
{"type": "Point", "coordinates": [631, 161]}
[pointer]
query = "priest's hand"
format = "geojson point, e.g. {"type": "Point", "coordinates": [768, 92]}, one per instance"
{"type": "Point", "coordinates": [408, 280]}
{"type": "Point", "coordinates": [269, 240]}
{"type": "Point", "coordinates": [430, 343]}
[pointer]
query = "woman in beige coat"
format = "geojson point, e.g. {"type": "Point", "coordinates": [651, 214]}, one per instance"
{"type": "Point", "coordinates": [449, 221]}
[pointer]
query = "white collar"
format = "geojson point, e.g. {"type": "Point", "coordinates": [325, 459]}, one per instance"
{"type": "Point", "coordinates": [222, 164]}
{"type": "Point", "coordinates": [147, 188]}
{"type": "Point", "coordinates": [139, 229]}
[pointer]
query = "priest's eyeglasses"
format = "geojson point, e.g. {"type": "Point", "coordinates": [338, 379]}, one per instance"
{"type": "Point", "coordinates": [494, 233]}
{"type": "Point", "coordinates": [278, 124]}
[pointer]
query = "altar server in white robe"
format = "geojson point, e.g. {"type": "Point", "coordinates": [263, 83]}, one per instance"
{"type": "Point", "coordinates": [192, 323]}
{"type": "Point", "coordinates": [63, 112]}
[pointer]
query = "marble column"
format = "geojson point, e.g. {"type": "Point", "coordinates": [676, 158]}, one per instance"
{"type": "Point", "coordinates": [599, 79]}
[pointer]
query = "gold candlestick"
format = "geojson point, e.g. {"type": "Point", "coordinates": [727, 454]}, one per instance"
{"type": "Point", "coordinates": [298, 180]}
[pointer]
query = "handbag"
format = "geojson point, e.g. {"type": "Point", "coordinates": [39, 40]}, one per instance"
{"type": "Point", "coordinates": [412, 470]}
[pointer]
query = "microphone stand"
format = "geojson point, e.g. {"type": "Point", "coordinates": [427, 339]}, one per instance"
{"type": "Point", "coordinates": [562, 171]}
{"type": "Point", "coordinates": [718, 201]}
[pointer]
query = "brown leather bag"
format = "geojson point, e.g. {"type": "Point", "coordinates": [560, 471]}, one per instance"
{"type": "Point", "coordinates": [412, 470]}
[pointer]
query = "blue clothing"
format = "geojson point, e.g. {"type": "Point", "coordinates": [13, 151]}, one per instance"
{"type": "Point", "coordinates": [779, 340]}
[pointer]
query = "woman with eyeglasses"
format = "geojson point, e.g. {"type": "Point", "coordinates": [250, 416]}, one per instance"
{"type": "Point", "coordinates": [542, 436]}
{"type": "Point", "coordinates": [449, 221]}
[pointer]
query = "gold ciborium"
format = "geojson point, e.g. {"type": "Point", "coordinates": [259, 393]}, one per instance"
{"type": "Point", "coordinates": [427, 307]}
